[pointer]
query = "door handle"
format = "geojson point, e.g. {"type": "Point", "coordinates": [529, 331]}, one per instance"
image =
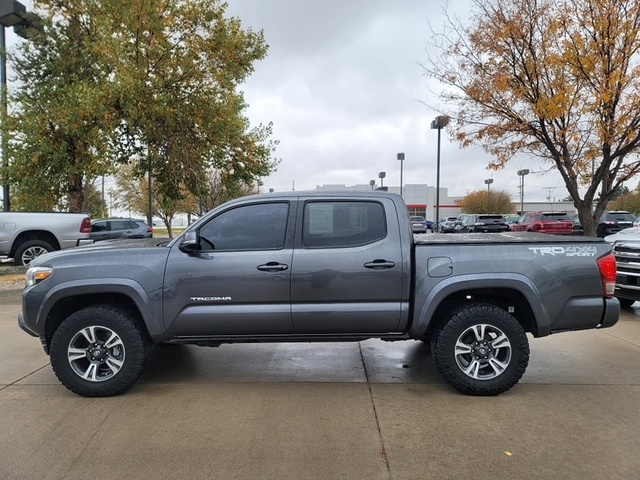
{"type": "Point", "coordinates": [379, 264]}
{"type": "Point", "coordinates": [272, 267]}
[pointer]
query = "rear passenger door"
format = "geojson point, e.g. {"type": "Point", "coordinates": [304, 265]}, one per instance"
{"type": "Point", "coordinates": [347, 274]}
{"type": "Point", "coordinates": [120, 229]}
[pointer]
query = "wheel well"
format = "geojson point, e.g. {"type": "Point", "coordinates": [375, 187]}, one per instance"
{"type": "Point", "coordinates": [42, 235]}
{"type": "Point", "coordinates": [66, 306]}
{"type": "Point", "coordinates": [510, 300]}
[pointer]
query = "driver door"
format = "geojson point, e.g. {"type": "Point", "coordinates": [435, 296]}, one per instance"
{"type": "Point", "coordinates": [238, 280]}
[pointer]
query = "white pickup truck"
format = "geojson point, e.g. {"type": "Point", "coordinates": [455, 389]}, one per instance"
{"type": "Point", "coordinates": [25, 235]}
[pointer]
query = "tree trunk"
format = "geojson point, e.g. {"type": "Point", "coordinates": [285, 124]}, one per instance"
{"type": "Point", "coordinates": [75, 192]}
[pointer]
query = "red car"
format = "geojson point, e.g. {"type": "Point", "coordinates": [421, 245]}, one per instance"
{"type": "Point", "coordinates": [544, 222]}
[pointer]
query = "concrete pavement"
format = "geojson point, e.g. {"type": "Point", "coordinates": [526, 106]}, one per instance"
{"type": "Point", "coordinates": [369, 410]}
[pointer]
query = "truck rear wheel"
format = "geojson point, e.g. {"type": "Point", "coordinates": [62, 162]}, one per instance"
{"type": "Point", "coordinates": [30, 250]}
{"type": "Point", "coordinates": [481, 350]}
{"type": "Point", "coordinates": [99, 351]}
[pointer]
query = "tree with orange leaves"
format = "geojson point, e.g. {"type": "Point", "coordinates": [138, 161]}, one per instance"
{"type": "Point", "coordinates": [554, 79]}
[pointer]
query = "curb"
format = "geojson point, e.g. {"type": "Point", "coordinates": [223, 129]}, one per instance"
{"type": "Point", "coordinates": [12, 269]}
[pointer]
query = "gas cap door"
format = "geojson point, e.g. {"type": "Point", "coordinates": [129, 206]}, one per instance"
{"type": "Point", "coordinates": [439, 267]}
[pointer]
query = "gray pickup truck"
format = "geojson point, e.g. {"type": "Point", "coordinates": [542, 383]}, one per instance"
{"type": "Point", "coordinates": [25, 235]}
{"type": "Point", "coordinates": [316, 267]}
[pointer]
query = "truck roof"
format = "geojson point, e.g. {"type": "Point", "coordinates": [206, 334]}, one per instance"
{"type": "Point", "coordinates": [321, 194]}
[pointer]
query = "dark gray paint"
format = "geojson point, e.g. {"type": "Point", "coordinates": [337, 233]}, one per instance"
{"type": "Point", "coordinates": [326, 294]}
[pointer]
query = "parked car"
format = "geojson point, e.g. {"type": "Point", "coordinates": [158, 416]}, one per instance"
{"type": "Point", "coordinates": [447, 224]}
{"type": "Point", "coordinates": [544, 222]}
{"type": "Point", "coordinates": [483, 223]}
{"type": "Point", "coordinates": [636, 223]}
{"type": "Point", "coordinates": [577, 226]}
{"type": "Point", "coordinates": [109, 228]}
{"type": "Point", "coordinates": [613, 221]}
{"type": "Point", "coordinates": [419, 224]}
{"type": "Point", "coordinates": [511, 218]}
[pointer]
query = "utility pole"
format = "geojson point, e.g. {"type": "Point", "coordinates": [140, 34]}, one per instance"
{"type": "Point", "coordinates": [549, 189]}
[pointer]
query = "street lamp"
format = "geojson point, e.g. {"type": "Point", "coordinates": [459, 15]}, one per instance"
{"type": "Point", "coordinates": [488, 182]}
{"type": "Point", "coordinates": [372, 183]}
{"type": "Point", "coordinates": [401, 158]}
{"type": "Point", "coordinates": [439, 123]}
{"type": "Point", "coordinates": [522, 173]}
{"type": "Point", "coordinates": [381, 176]}
{"type": "Point", "coordinates": [27, 25]}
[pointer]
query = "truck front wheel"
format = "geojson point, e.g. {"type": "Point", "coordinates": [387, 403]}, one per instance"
{"type": "Point", "coordinates": [99, 351]}
{"type": "Point", "coordinates": [481, 350]}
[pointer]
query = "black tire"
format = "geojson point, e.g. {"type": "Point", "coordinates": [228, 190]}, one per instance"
{"type": "Point", "coordinates": [625, 302]}
{"type": "Point", "coordinates": [116, 363]}
{"type": "Point", "coordinates": [494, 363]}
{"type": "Point", "coordinates": [30, 250]}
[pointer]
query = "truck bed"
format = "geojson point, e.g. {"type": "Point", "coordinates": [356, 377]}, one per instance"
{"type": "Point", "coordinates": [507, 237]}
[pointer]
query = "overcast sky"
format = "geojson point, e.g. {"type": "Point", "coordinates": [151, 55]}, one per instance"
{"type": "Point", "coordinates": [343, 86]}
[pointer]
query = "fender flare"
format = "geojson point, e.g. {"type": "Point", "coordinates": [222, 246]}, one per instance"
{"type": "Point", "coordinates": [123, 286]}
{"type": "Point", "coordinates": [424, 313]}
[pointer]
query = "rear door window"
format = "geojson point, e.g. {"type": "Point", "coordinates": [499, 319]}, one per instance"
{"type": "Point", "coordinates": [342, 224]}
{"type": "Point", "coordinates": [118, 225]}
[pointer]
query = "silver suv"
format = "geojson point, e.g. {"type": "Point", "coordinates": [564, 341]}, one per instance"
{"type": "Point", "coordinates": [108, 228]}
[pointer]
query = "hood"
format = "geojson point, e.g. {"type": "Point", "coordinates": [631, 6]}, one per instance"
{"type": "Point", "coordinates": [110, 248]}
{"type": "Point", "coordinates": [628, 234]}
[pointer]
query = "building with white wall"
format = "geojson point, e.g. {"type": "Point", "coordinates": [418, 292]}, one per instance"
{"type": "Point", "coordinates": [421, 200]}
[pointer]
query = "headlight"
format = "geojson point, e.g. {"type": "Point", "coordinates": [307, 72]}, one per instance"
{"type": "Point", "coordinates": [37, 274]}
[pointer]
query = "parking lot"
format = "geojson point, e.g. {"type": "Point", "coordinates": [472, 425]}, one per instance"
{"type": "Point", "coordinates": [369, 410]}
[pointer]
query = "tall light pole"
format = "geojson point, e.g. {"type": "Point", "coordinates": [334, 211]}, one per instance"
{"type": "Point", "coordinates": [488, 182]}
{"type": "Point", "coordinates": [522, 174]}
{"type": "Point", "coordinates": [401, 158]}
{"type": "Point", "coordinates": [439, 123]}
{"type": "Point", "coordinates": [27, 25]}
{"type": "Point", "coordinates": [372, 183]}
{"type": "Point", "coordinates": [381, 176]}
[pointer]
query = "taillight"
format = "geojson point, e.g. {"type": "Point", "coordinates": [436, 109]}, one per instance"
{"type": "Point", "coordinates": [86, 225]}
{"type": "Point", "coordinates": [607, 266]}
{"type": "Point", "coordinates": [536, 226]}
{"type": "Point", "coordinates": [150, 229]}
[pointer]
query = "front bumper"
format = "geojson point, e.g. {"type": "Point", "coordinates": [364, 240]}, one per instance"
{"type": "Point", "coordinates": [24, 327]}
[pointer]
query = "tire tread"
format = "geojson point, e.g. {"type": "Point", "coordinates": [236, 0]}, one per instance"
{"type": "Point", "coordinates": [465, 317]}
{"type": "Point", "coordinates": [139, 351]}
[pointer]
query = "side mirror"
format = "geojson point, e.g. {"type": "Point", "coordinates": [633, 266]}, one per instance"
{"type": "Point", "coordinates": [189, 243]}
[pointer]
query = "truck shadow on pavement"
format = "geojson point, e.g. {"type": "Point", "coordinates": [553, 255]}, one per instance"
{"type": "Point", "coordinates": [373, 361]}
